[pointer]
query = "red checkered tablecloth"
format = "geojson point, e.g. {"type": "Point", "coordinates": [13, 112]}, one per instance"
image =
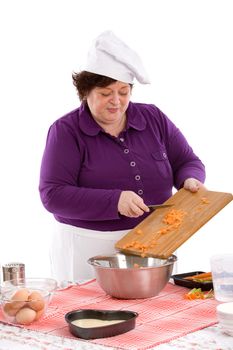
{"type": "Point", "coordinates": [161, 318]}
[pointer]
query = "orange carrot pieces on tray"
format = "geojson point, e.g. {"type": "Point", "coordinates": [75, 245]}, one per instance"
{"type": "Point", "coordinates": [203, 275]}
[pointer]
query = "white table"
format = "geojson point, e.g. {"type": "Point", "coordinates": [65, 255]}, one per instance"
{"type": "Point", "coordinates": [15, 338]}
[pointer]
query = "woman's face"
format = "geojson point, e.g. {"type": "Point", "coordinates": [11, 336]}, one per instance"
{"type": "Point", "coordinates": [108, 104]}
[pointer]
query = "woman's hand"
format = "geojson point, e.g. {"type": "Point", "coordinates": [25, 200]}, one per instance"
{"type": "Point", "coordinates": [131, 205]}
{"type": "Point", "coordinates": [193, 185]}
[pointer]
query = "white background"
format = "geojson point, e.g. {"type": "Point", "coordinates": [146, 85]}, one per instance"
{"type": "Point", "coordinates": [186, 47]}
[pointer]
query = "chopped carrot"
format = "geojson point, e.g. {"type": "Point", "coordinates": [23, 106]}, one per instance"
{"type": "Point", "coordinates": [199, 208]}
{"type": "Point", "coordinates": [152, 245]}
{"type": "Point", "coordinates": [204, 200]}
{"type": "Point", "coordinates": [173, 219]}
{"type": "Point", "coordinates": [162, 231]}
{"type": "Point", "coordinates": [136, 265]}
{"type": "Point", "coordinates": [174, 216]}
{"type": "Point", "coordinates": [139, 232]}
{"type": "Point", "coordinates": [197, 293]}
{"type": "Point", "coordinates": [199, 276]}
{"type": "Point", "coordinates": [136, 245]}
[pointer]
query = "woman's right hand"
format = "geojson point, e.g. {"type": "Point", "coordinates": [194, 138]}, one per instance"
{"type": "Point", "coordinates": [131, 205]}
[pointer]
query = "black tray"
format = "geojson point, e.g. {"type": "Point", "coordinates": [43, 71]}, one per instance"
{"type": "Point", "coordinates": [181, 281]}
{"type": "Point", "coordinates": [129, 318]}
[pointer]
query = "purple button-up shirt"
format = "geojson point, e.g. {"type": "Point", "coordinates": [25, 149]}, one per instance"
{"type": "Point", "coordinates": [84, 169]}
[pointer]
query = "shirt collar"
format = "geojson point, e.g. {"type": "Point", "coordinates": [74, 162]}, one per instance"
{"type": "Point", "coordinates": [135, 118]}
{"type": "Point", "coordinates": [88, 125]}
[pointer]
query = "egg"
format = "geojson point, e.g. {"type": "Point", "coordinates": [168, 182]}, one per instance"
{"type": "Point", "coordinates": [36, 301]}
{"type": "Point", "coordinates": [16, 302]}
{"type": "Point", "coordinates": [39, 314]}
{"type": "Point", "coordinates": [19, 298]}
{"type": "Point", "coordinates": [21, 294]}
{"type": "Point", "coordinates": [9, 310]}
{"type": "Point", "coordinates": [25, 316]}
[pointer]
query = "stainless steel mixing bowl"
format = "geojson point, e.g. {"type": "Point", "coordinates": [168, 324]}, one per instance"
{"type": "Point", "coordinates": [130, 276]}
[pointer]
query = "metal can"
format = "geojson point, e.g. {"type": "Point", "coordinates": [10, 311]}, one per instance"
{"type": "Point", "coordinates": [13, 271]}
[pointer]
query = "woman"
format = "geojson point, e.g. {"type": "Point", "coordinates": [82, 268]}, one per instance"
{"type": "Point", "coordinates": [107, 160]}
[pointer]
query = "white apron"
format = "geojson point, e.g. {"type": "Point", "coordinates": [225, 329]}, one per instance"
{"type": "Point", "coordinates": [72, 246]}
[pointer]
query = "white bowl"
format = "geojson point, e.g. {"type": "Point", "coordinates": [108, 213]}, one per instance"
{"type": "Point", "coordinates": [225, 317]}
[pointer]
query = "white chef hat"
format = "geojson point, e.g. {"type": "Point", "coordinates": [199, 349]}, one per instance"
{"type": "Point", "coordinates": [111, 57]}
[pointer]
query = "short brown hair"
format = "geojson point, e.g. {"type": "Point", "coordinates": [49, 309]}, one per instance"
{"type": "Point", "coordinates": [86, 81]}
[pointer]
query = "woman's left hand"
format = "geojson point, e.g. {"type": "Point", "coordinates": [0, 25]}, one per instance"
{"type": "Point", "coordinates": [193, 185]}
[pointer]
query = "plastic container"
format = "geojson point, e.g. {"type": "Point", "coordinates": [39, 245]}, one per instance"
{"type": "Point", "coordinates": [222, 274]}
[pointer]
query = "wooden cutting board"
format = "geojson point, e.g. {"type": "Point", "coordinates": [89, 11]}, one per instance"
{"type": "Point", "coordinates": [153, 237]}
